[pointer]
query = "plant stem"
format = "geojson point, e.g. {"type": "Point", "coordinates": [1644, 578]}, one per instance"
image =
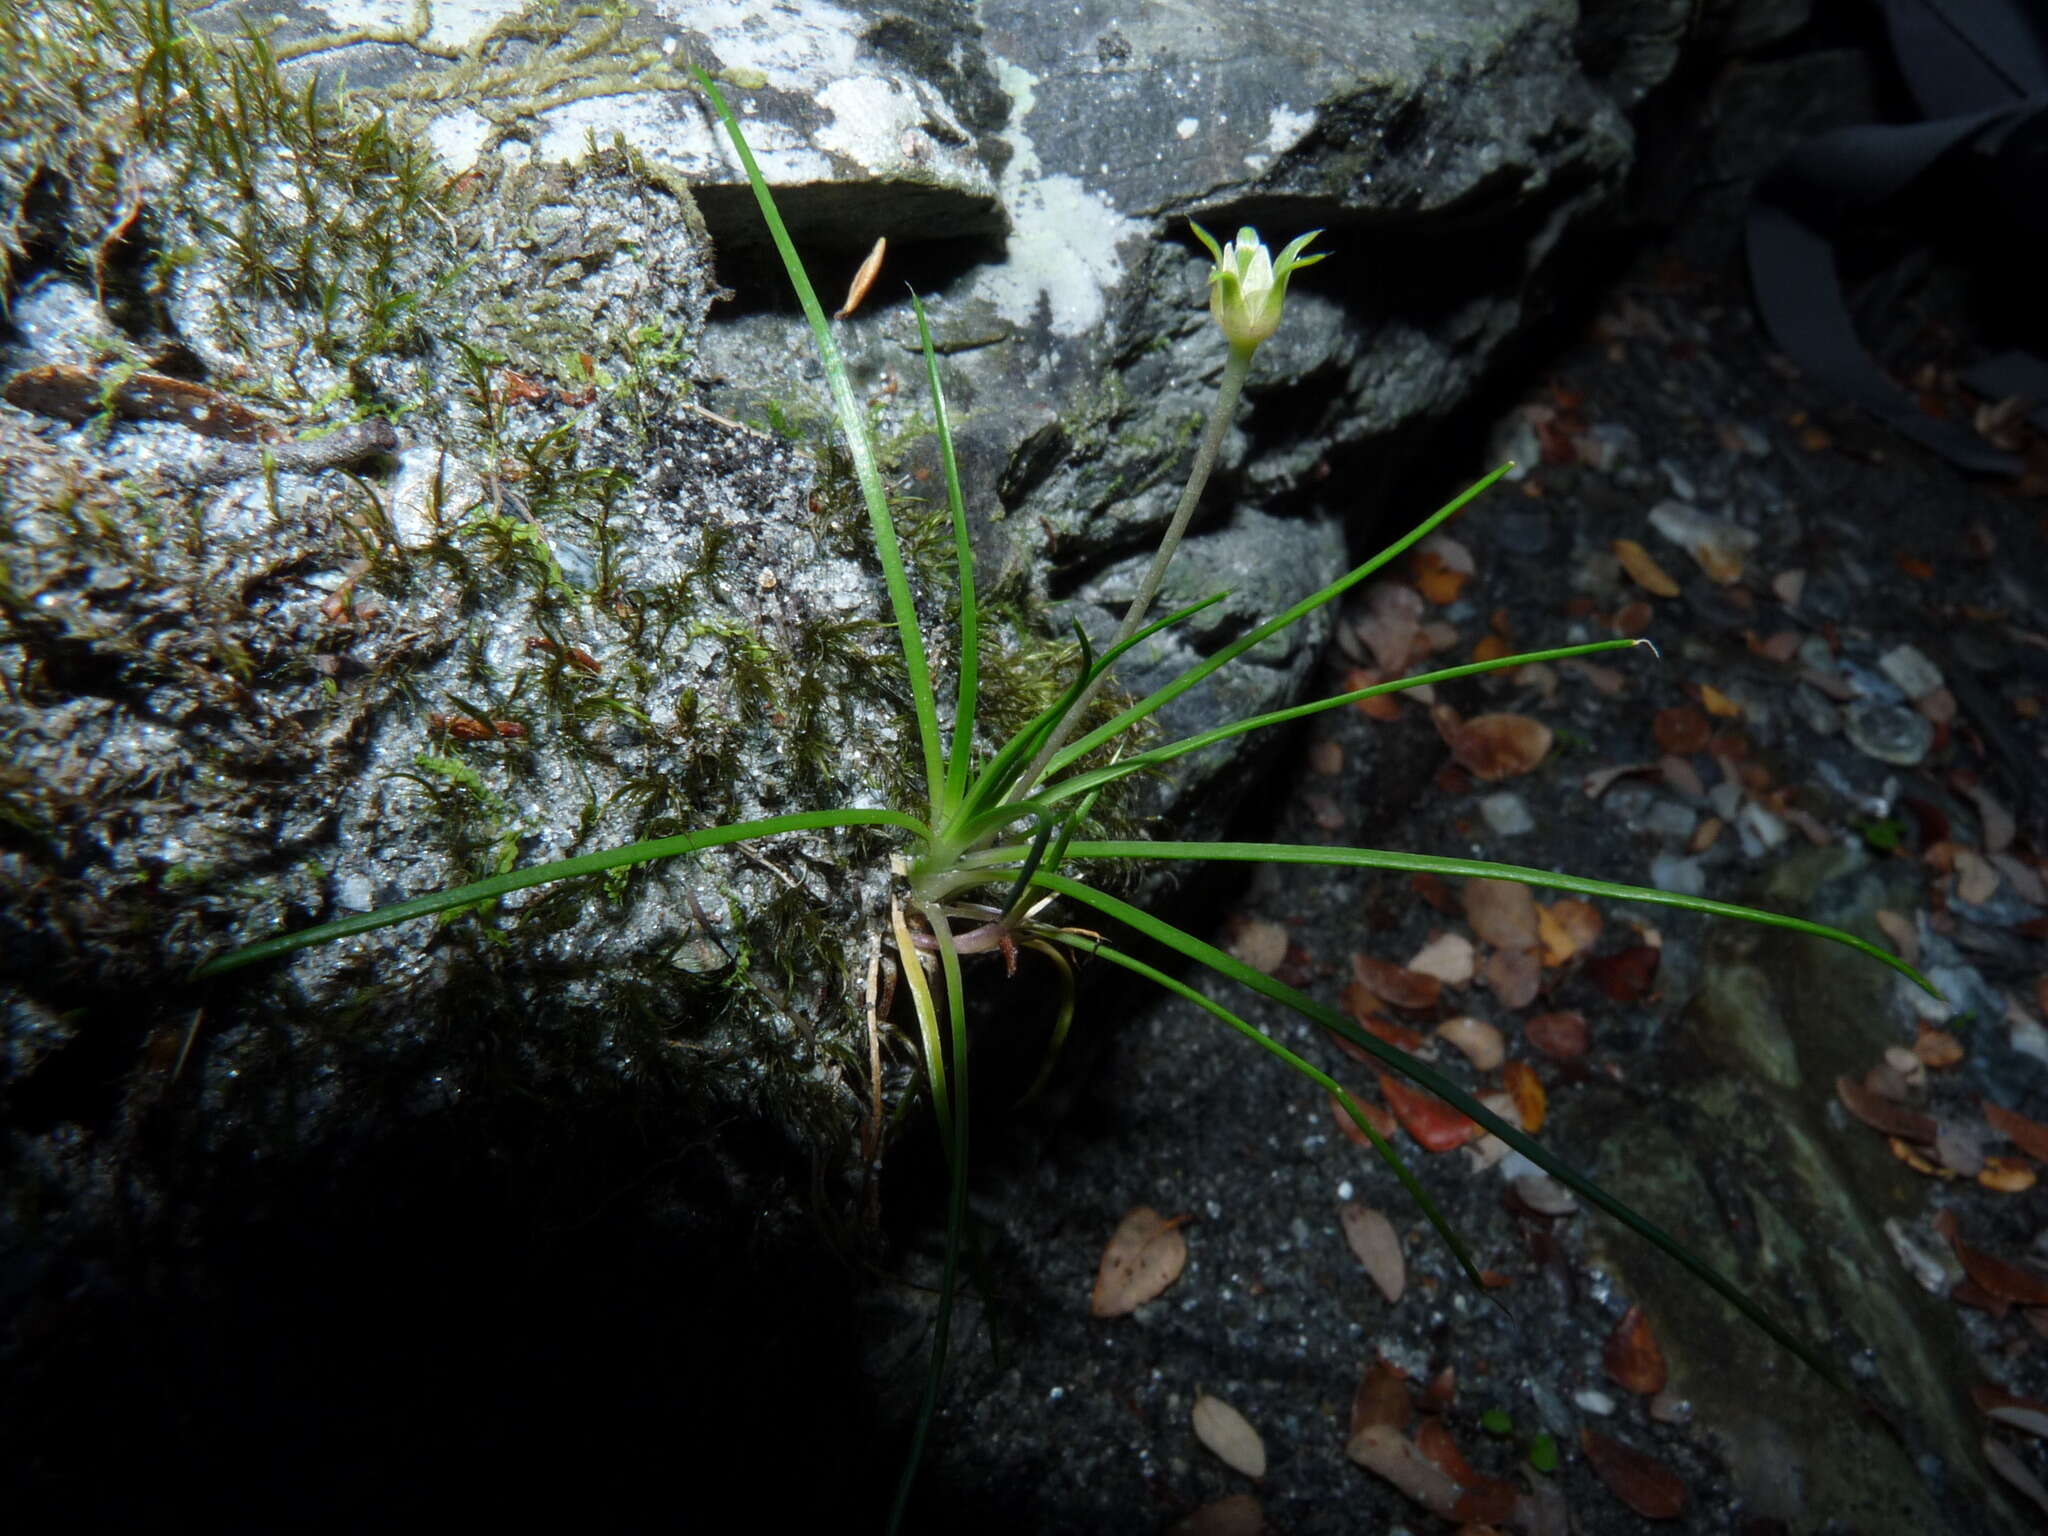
{"type": "Point", "coordinates": [1225, 406]}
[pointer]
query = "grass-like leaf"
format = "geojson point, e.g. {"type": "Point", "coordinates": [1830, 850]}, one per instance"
{"type": "Point", "coordinates": [1480, 869]}
{"type": "Point", "coordinates": [1427, 1077]}
{"type": "Point", "coordinates": [853, 426]}
{"type": "Point", "coordinates": [1192, 947]}
{"type": "Point", "coordinates": [560, 869]}
{"type": "Point", "coordinates": [1111, 729]}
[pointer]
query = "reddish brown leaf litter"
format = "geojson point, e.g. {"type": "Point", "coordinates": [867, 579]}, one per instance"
{"type": "Point", "coordinates": [1881, 1114]}
{"type": "Point", "coordinates": [2030, 1136]}
{"type": "Point", "coordinates": [1494, 747]}
{"type": "Point", "coordinates": [1502, 912]}
{"type": "Point", "coordinates": [1405, 989]}
{"type": "Point", "coordinates": [1995, 1276]}
{"type": "Point", "coordinates": [1435, 1126]}
{"type": "Point", "coordinates": [1626, 976]}
{"type": "Point", "coordinates": [1560, 1036]}
{"type": "Point", "coordinates": [1526, 1089]}
{"type": "Point", "coordinates": [1681, 729]}
{"type": "Point", "coordinates": [1639, 1480]}
{"type": "Point", "coordinates": [1632, 1357]}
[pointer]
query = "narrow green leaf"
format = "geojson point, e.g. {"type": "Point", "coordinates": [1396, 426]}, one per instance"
{"type": "Point", "coordinates": [963, 559]}
{"type": "Point", "coordinates": [1077, 750]}
{"type": "Point", "coordinates": [561, 869]}
{"type": "Point", "coordinates": [1481, 869]}
{"type": "Point", "coordinates": [1190, 946]}
{"type": "Point", "coordinates": [1096, 778]}
{"type": "Point", "coordinates": [1435, 1082]}
{"type": "Point", "coordinates": [853, 425]}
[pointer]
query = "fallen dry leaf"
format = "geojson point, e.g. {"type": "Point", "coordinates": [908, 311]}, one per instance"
{"type": "Point", "coordinates": [1145, 1255]}
{"type": "Point", "coordinates": [1238, 1515]}
{"type": "Point", "coordinates": [1514, 975]}
{"type": "Point", "coordinates": [1494, 747]}
{"type": "Point", "coordinates": [2007, 1175]}
{"type": "Point", "coordinates": [1435, 1126]}
{"type": "Point", "coordinates": [1902, 934]}
{"type": "Point", "coordinates": [1999, 827]}
{"type": "Point", "coordinates": [1448, 957]}
{"type": "Point", "coordinates": [1937, 1047]}
{"type": "Point", "coordinates": [1377, 1245]}
{"type": "Point", "coordinates": [1502, 912]}
{"type": "Point", "coordinates": [2003, 1280]}
{"type": "Point", "coordinates": [1565, 927]}
{"type": "Point", "coordinates": [1639, 1480]}
{"type": "Point", "coordinates": [2005, 1461]}
{"type": "Point", "coordinates": [1364, 1006]}
{"type": "Point", "coordinates": [1600, 780]}
{"type": "Point", "coordinates": [1560, 1036]}
{"type": "Point", "coordinates": [1381, 1399]}
{"type": "Point", "coordinates": [1632, 1357]}
{"type": "Point", "coordinates": [1681, 730]}
{"type": "Point", "coordinates": [1229, 1434]}
{"type": "Point", "coordinates": [1531, 1103]}
{"type": "Point", "coordinates": [1377, 1115]}
{"type": "Point", "coordinates": [1438, 579]}
{"type": "Point", "coordinates": [2030, 1136]}
{"type": "Point", "coordinates": [1408, 990]}
{"type": "Point", "coordinates": [1381, 706]}
{"type": "Point", "coordinates": [2020, 1412]}
{"type": "Point", "coordinates": [1880, 1114]}
{"type": "Point", "coordinates": [1642, 569]}
{"type": "Point", "coordinates": [1718, 703]}
{"type": "Point", "coordinates": [1479, 1042]}
{"type": "Point", "coordinates": [1259, 942]}
{"type": "Point", "coordinates": [1390, 1454]}
{"type": "Point", "coordinates": [1976, 879]}
{"type": "Point", "coordinates": [1627, 975]}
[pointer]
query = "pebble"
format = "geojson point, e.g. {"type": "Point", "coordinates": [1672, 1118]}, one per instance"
{"type": "Point", "coordinates": [1759, 830]}
{"type": "Point", "coordinates": [1890, 733]}
{"type": "Point", "coordinates": [1673, 822]}
{"type": "Point", "coordinates": [1598, 1403]}
{"type": "Point", "coordinates": [1913, 672]}
{"type": "Point", "coordinates": [1681, 877]}
{"type": "Point", "coordinates": [1681, 483]}
{"type": "Point", "coordinates": [354, 894]}
{"type": "Point", "coordinates": [1523, 532]}
{"type": "Point", "coordinates": [1814, 711]}
{"type": "Point", "coordinates": [1717, 544]}
{"type": "Point", "coordinates": [1507, 815]}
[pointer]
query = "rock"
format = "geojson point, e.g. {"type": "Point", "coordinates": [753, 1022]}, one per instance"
{"type": "Point", "coordinates": [1915, 675]}
{"type": "Point", "coordinates": [1891, 733]}
{"type": "Point", "coordinates": [1717, 545]}
{"type": "Point", "coordinates": [1680, 876]}
{"type": "Point", "coordinates": [1507, 814]}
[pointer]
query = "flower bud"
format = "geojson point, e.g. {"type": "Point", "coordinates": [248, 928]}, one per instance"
{"type": "Point", "coordinates": [1247, 287]}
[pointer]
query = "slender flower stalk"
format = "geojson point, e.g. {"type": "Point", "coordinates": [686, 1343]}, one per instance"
{"type": "Point", "coordinates": [1247, 293]}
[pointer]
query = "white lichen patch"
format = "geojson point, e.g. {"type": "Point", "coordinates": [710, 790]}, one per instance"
{"type": "Point", "coordinates": [1066, 240]}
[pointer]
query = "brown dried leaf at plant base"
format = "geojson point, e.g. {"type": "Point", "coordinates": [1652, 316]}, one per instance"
{"type": "Point", "coordinates": [1502, 912]}
{"type": "Point", "coordinates": [1377, 1246]}
{"type": "Point", "coordinates": [1145, 1256]}
{"type": "Point", "coordinates": [1376, 1114]}
{"type": "Point", "coordinates": [1435, 1126]}
{"type": "Point", "coordinates": [1229, 1435]}
{"type": "Point", "coordinates": [1380, 1400]}
{"type": "Point", "coordinates": [1627, 975]}
{"type": "Point", "coordinates": [1494, 747]}
{"type": "Point", "coordinates": [1632, 1357]}
{"type": "Point", "coordinates": [1639, 1480]}
{"type": "Point", "coordinates": [2007, 1175]}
